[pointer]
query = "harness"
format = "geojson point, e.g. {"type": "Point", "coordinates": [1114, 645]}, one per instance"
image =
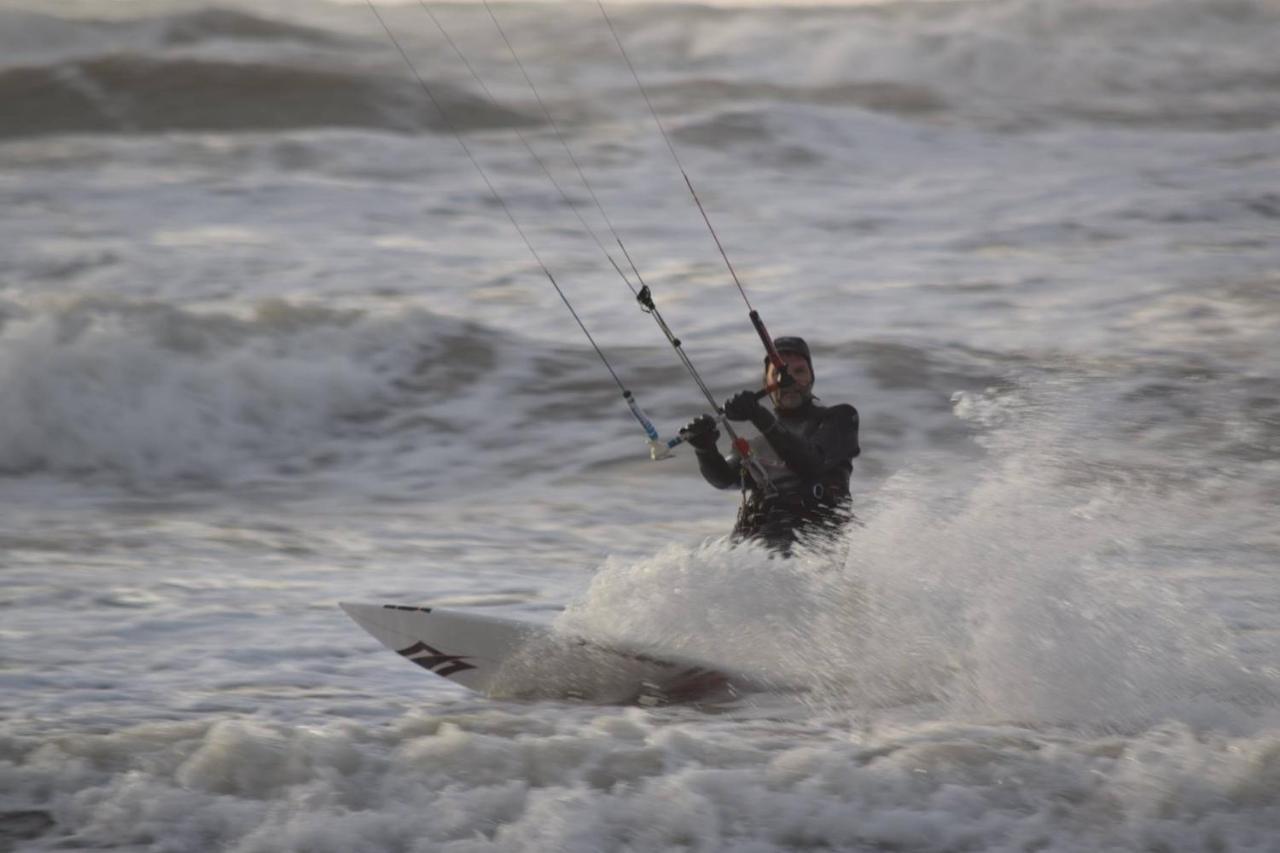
{"type": "Point", "coordinates": [795, 503]}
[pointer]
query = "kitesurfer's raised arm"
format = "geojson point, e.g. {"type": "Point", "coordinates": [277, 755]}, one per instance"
{"type": "Point", "coordinates": [702, 434]}
{"type": "Point", "coordinates": [826, 455]}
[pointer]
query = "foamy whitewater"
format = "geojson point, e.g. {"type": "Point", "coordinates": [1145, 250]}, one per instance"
{"type": "Point", "coordinates": [267, 344]}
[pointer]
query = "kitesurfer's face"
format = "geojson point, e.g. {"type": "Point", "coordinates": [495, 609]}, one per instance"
{"type": "Point", "coordinates": [797, 393]}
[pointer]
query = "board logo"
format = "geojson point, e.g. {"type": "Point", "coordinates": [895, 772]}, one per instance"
{"type": "Point", "coordinates": [435, 660]}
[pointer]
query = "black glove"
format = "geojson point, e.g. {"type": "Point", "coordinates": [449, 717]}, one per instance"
{"type": "Point", "coordinates": [701, 433]}
{"type": "Point", "coordinates": [743, 406]}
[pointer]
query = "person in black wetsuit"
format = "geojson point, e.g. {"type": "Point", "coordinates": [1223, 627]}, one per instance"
{"type": "Point", "coordinates": [807, 451]}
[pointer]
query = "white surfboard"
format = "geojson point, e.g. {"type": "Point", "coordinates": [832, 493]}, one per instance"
{"type": "Point", "coordinates": [512, 659]}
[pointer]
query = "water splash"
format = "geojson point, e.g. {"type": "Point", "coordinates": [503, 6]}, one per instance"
{"type": "Point", "coordinates": [1002, 588]}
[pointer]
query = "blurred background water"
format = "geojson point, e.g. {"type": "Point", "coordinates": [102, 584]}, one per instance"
{"type": "Point", "coordinates": [267, 343]}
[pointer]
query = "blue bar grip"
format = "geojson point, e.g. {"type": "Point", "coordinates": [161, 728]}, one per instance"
{"type": "Point", "coordinates": [649, 429]}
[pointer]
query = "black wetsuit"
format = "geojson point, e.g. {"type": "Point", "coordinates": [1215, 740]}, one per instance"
{"type": "Point", "coordinates": [808, 454]}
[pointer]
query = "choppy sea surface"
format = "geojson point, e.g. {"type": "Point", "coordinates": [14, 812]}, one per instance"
{"type": "Point", "coordinates": [267, 342]}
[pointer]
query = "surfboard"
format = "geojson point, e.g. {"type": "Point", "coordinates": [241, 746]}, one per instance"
{"type": "Point", "coordinates": [513, 659]}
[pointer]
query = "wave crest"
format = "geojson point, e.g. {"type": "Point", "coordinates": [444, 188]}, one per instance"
{"type": "Point", "coordinates": [142, 94]}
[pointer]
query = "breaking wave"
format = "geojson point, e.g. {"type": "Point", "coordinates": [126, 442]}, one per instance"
{"type": "Point", "coordinates": [140, 94]}
{"type": "Point", "coordinates": [45, 31]}
{"type": "Point", "coordinates": [147, 393]}
{"type": "Point", "coordinates": [1195, 64]}
{"type": "Point", "coordinates": [151, 396]}
{"type": "Point", "coordinates": [1157, 63]}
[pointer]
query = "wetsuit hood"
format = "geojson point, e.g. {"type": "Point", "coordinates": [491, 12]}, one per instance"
{"type": "Point", "coordinates": [794, 344]}
{"type": "Point", "coordinates": [800, 347]}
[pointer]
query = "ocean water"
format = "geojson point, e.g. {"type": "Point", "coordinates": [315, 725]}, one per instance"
{"type": "Point", "coordinates": [267, 343]}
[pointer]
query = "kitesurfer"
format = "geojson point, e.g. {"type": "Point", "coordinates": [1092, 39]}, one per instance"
{"type": "Point", "coordinates": [806, 451]}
